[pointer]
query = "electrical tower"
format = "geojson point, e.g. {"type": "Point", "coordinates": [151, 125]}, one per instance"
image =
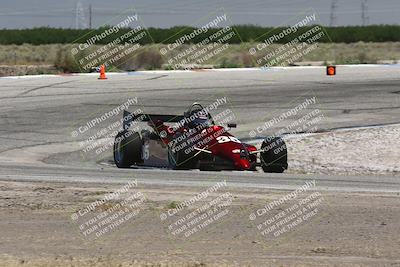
{"type": "Point", "coordinates": [364, 12]}
{"type": "Point", "coordinates": [334, 6]}
{"type": "Point", "coordinates": [90, 16]}
{"type": "Point", "coordinates": [80, 18]}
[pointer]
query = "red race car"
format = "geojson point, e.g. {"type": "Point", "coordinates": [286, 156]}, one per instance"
{"type": "Point", "coordinates": [192, 141]}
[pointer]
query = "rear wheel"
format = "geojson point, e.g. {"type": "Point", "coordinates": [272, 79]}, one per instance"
{"type": "Point", "coordinates": [127, 149]}
{"type": "Point", "coordinates": [274, 156]}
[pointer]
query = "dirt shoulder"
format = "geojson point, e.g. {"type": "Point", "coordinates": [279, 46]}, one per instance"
{"type": "Point", "coordinates": [346, 229]}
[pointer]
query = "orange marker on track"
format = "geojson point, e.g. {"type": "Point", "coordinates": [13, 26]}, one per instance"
{"type": "Point", "coordinates": [330, 70]}
{"type": "Point", "coordinates": [102, 73]}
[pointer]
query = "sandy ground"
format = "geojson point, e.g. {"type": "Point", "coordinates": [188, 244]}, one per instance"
{"type": "Point", "coordinates": [39, 230]}
{"type": "Point", "coordinates": [347, 152]}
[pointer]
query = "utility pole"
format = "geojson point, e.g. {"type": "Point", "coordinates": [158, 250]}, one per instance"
{"type": "Point", "coordinates": [334, 6]}
{"type": "Point", "coordinates": [364, 12]}
{"type": "Point", "coordinates": [90, 16]}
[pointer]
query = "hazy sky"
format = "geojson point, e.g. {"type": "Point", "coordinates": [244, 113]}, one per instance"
{"type": "Point", "coordinates": [167, 13]}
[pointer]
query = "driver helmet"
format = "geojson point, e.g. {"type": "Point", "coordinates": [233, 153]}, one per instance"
{"type": "Point", "coordinates": [200, 118]}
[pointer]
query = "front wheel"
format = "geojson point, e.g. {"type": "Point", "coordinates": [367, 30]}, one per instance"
{"type": "Point", "coordinates": [179, 160]}
{"type": "Point", "coordinates": [127, 149]}
{"type": "Point", "coordinates": [274, 156]}
{"type": "Point", "coordinates": [181, 157]}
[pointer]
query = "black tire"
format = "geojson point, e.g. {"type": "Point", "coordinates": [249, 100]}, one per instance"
{"type": "Point", "coordinates": [128, 147]}
{"type": "Point", "coordinates": [274, 157]}
{"type": "Point", "coordinates": [179, 160]}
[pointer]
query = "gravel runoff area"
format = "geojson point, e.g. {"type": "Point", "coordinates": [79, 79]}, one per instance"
{"type": "Point", "coordinates": [372, 150]}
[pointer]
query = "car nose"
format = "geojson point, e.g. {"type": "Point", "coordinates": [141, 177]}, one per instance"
{"type": "Point", "coordinates": [243, 164]}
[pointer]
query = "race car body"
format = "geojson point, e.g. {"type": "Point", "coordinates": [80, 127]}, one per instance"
{"type": "Point", "coordinates": [192, 141]}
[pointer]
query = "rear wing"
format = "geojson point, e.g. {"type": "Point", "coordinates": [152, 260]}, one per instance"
{"type": "Point", "coordinates": [129, 118]}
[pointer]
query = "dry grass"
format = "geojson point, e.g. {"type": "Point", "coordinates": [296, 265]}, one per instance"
{"type": "Point", "coordinates": [149, 57]}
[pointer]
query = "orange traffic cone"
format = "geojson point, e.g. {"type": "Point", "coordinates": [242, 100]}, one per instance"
{"type": "Point", "coordinates": [102, 73]}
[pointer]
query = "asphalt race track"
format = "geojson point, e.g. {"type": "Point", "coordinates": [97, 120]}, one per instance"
{"type": "Point", "coordinates": [39, 113]}
{"type": "Point", "coordinates": [239, 180]}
